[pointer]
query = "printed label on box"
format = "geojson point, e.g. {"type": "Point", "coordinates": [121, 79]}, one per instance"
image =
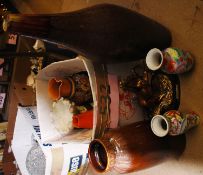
{"type": "Point", "coordinates": [31, 115]}
{"type": "Point", "coordinates": [75, 164]}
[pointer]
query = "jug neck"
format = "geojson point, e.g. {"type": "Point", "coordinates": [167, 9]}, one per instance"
{"type": "Point", "coordinates": [31, 25]}
{"type": "Point", "coordinates": [102, 154]}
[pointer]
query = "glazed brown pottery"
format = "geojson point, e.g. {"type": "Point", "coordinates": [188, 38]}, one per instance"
{"type": "Point", "coordinates": [131, 148]}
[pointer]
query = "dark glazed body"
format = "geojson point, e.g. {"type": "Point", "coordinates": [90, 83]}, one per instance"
{"type": "Point", "coordinates": [103, 33]}
{"type": "Point", "coordinates": [132, 148]}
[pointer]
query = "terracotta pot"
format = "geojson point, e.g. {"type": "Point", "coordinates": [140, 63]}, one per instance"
{"type": "Point", "coordinates": [83, 120]}
{"type": "Point", "coordinates": [58, 88]}
{"type": "Point", "coordinates": [131, 148]}
{"type": "Point", "coordinates": [170, 60]}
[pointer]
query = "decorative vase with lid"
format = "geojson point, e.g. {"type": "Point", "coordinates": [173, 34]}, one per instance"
{"type": "Point", "coordinates": [171, 60]}
{"type": "Point", "coordinates": [173, 123]}
{"type": "Point", "coordinates": [131, 148]}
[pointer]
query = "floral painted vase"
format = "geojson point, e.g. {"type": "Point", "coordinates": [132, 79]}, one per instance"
{"type": "Point", "coordinates": [171, 60]}
{"type": "Point", "coordinates": [173, 123]}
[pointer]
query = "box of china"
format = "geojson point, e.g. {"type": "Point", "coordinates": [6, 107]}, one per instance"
{"type": "Point", "coordinates": [111, 106]}
{"type": "Point", "coordinates": [107, 102]}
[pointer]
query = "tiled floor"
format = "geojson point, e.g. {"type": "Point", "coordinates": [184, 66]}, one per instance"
{"type": "Point", "coordinates": [184, 18]}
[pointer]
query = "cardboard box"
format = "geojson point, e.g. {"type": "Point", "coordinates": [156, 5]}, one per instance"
{"type": "Point", "coordinates": [44, 103]}
{"type": "Point", "coordinates": [107, 104]}
{"type": "Point", "coordinates": [22, 141]}
{"type": "Point", "coordinates": [59, 158]}
{"type": "Point", "coordinates": [64, 154]}
{"type": "Point", "coordinates": [68, 154]}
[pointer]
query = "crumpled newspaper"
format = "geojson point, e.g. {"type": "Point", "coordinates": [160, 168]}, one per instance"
{"type": "Point", "coordinates": [36, 161]}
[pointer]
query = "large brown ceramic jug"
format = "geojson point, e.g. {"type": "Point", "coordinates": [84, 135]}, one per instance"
{"type": "Point", "coordinates": [131, 148]}
{"type": "Point", "coordinates": [103, 33]}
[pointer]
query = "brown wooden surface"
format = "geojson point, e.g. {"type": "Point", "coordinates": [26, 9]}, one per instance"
{"type": "Point", "coordinates": [19, 93]}
{"type": "Point", "coordinates": [9, 168]}
{"type": "Point", "coordinates": [8, 161]}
